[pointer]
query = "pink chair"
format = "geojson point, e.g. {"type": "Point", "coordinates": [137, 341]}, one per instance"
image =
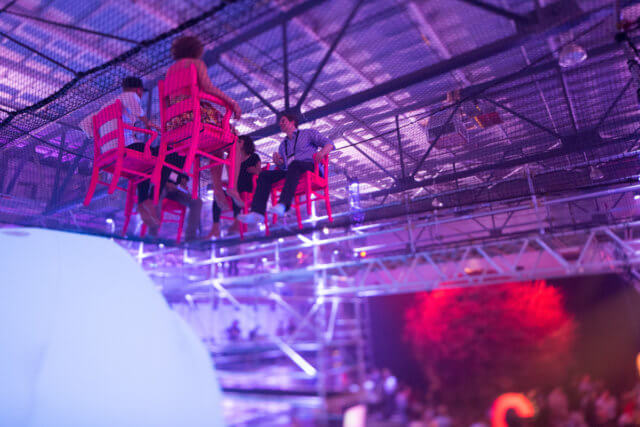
{"type": "Point", "coordinates": [247, 198]}
{"type": "Point", "coordinates": [194, 139]}
{"type": "Point", "coordinates": [111, 155]}
{"type": "Point", "coordinates": [171, 207]}
{"type": "Point", "coordinates": [313, 186]}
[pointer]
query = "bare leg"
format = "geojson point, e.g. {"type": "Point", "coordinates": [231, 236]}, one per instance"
{"type": "Point", "coordinates": [233, 192]}
{"type": "Point", "coordinates": [218, 192]}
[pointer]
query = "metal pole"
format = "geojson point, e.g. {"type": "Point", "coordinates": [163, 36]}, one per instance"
{"type": "Point", "coordinates": [285, 65]}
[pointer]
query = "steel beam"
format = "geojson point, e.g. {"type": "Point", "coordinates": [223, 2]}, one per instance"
{"type": "Point", "coordinates": [56, 191]}
{"type": "Point", "coordinates": [433, 144]}
{"type": "Point", "coordinates": [523, 117]}
{"type": "Point", "coordinates": [400, 151]}
{"type": "Point", "coordinates": [368, 157]}
{"type": "Point", "coordinates": [425, 73]}
{"type": "Point", "coordinates": [328, 54]}
{"type": "Point", "coordinates": [250, 88]}
{"type": "Point", "coordinates": [285, 66]}
{"type": "Point", "coordinates": [614, 103]}
{"type": "Point", "coordinates": [71, 27]}
{"type": "Point", "coordinates": [52, 206]}
{"type": "Point", "coordinates": [497, 10]}
{"type": "Point", "coordinates": [37, 52]}
{"type": "Point", "coordinates": [210, 57]}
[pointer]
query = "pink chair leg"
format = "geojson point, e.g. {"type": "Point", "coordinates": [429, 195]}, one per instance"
{"type": "Point", "coordinates": [116, 176]}
{"type": "Point", "coordinates": [191, 155]}
{"type": "Point", "coordinates": [309, 193]}
{"type": "Point", "coordinates": [128, 206]}
{"type": "Point", "coordinates": [327, 202]}
{"type": "Point", "coordinates": [196, 178]}
{"type": "Point", "coordinates": [298, 214]}
{"type": "Point", "coordinates": [92, 185]}
{"type": "Point", "coordinates": [180, 224]}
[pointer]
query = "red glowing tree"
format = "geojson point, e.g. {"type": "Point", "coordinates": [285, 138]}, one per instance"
{"type": "Point", "coordinates": [478, 342]}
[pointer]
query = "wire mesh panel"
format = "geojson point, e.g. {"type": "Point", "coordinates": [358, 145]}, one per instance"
{"type": "Point", "coordinates": [431, 105]}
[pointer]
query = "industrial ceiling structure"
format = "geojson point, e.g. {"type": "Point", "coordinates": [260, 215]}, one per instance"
{"type": "Point", "coordinates": [431, 105]}
{"type": "Point", "coordinates": [477, 142]}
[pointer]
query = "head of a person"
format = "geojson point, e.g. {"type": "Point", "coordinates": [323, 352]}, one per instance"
{"type": "Point", "coordinates": [132, 84]}
{"type": "Point", "coordinates": [186, 47]}
{"type": "Point", "coordinates": [247, 144]}
{"type": "Point", "coordinates": [288, 121]}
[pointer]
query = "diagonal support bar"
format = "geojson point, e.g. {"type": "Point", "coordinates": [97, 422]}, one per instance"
{"type": "Point", "coordinates": [71, 27]}
{"type": "Point", "coordinates": [496, 10]}
{"type": "Point", "coordinates": [431, 146]}
{"type": "Point", "coordinates": [253, 91]}
{"type": "Point", "coordinates": [329, 53]}
{"type": "Point", "coordinates": [613, 104]}
{"type": "Point", "coordinates": [285, 66]}
{"type": "Point", "coordinates": [37, 52]}
{"type": "Point", "coordinates": [523, 117]}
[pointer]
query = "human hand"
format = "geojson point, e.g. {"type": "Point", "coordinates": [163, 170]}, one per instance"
{"type": "Point", "coordinates": [237, 112]}
{"type": "Point", "coordinates": [277, 158]}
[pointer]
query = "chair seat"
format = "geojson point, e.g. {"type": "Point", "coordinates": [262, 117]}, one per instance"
{"type": "Point", "coordinates": [212, 138]}
{"type": "Point", "coordinates": [317, 183]}
{"type": "Point", "coordinates": [172, 206]}
{"type": "Point", "coordinates": [133, 160]}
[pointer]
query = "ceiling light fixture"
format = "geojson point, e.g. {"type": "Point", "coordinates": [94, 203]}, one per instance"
{"type": "Point", "coordinates": [571, 55]}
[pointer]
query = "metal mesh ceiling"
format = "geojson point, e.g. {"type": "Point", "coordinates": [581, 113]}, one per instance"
{"type": "Point", "coordinates": [424, 100]}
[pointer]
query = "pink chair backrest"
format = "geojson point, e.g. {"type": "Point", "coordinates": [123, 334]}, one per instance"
{"type": "Point", "coordinates": [108, 132]}
{"type": "Point", "coordinates": [182, 84]}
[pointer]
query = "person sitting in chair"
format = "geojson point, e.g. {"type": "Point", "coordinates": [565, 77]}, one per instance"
{"type": "Point", "coordinates": [173, 186]}
{"type": "Point", "coordinates": [249, 167]}
{"type": "Point", "coordinates": [293, 158]}
{"type": "Point", "coordinates": [132, 112]}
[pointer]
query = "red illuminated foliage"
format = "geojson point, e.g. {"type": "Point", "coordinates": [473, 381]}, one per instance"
{"type": "Point", "coordinates": [488, 340]}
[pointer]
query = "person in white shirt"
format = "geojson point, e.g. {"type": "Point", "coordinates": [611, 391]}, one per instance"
{"type": "Point", "coordinates": [132, 112]}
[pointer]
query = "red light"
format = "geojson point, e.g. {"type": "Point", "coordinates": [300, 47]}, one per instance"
{"type": "Point", "coordinates": [516, 401]}
{"type": "Point", "coordinates": [363, 254]}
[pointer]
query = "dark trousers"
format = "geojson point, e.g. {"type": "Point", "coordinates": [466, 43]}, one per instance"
{"type": "Point", "coordinates": [216, 211]}
{"type": "Point", "coordinates": [194, 209]}
{"type": "Point", "coordinates": [266, 179]}
{"type": "Point", "coordinates": [173, 158]}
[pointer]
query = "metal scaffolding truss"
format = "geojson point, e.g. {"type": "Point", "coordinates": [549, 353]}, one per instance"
{"type": "Point", "coordinates": [536, 237]}
{"type": "Point", "coordinates": [322, 281]}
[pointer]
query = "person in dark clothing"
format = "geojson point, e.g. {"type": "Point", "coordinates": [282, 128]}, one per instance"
{"type": "Point", "coordinates": [249, 167]}
{"type": "Point", "coordinates": [294, 157]}
{"type": "Point", "coordinates": [173, 187]}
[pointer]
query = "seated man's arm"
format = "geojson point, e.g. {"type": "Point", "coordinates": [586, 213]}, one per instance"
{"type": "Point", "coordinates": [279, 157]}
{"type": "Point", "coordinates": [323, 143]}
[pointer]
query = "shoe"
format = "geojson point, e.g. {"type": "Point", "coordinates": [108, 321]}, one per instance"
{"type": "Point", "coordinates": [251, 218]}
{"type": "Point", "coordinates": [215, 231]}
{"type": "Point", "coordinates": [149, 214]}
{"type": "Point", "coordinates": [278, 209]}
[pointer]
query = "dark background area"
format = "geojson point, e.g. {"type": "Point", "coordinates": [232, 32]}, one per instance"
{"type": "Point", "coordinates": [606, 311]}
